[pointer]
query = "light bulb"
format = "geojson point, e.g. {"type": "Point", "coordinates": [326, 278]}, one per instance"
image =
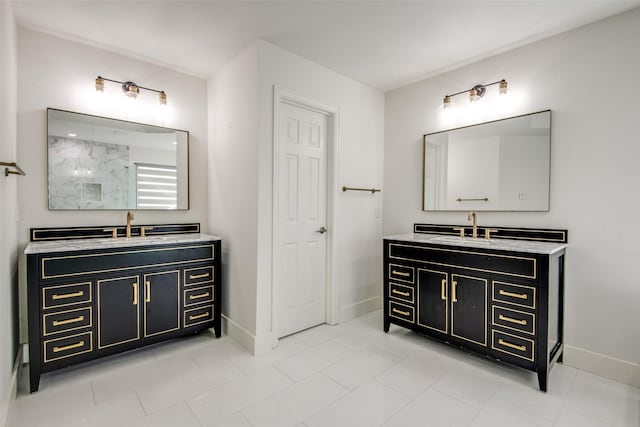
{"type": "Point", "coordinates": [99, 84]}
{"type": "Point", "coordinates": [447, 102]}
{"type": "Point", "coordinates": [503, 87]}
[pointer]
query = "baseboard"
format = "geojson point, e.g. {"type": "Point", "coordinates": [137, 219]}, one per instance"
{"type": "Point", "coordinates": [256, 344]}
{"type": "Point", "coordinates": [605, 366]}
{"type": "Point", "coordinates": [12, 391]}
{"type": "Point", "coordinates": [350, 312]}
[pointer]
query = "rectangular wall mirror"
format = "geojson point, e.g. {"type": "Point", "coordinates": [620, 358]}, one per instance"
{"type": "Point", "coordinates": [495, 166]}
{"type": "Point", "coordinates": [102, 163]}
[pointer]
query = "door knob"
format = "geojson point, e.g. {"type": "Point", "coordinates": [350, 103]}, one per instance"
{"type": "Point", "coordinates": [321, 230]}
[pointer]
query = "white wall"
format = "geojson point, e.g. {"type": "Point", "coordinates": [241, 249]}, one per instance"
{"type": "Point", "coordinates": [241, 101]}
{"type": "Point", "coordinates": [59, 73]}
{"type": "Point", "coordinates": [8, 202]}
{"type": "Point", "coordinates": [233, 187]}
{"type": "Point", "coordinates": [588, 78]}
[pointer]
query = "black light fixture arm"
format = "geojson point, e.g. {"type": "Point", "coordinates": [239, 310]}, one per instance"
{"type": "Point", "coordinates": [128, 83]}
{"type": "Point", "coordinates": [130, 88]}
{"type": "Point", "coordinates": [478, 87]}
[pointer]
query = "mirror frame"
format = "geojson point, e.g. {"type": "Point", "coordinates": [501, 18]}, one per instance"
{"type": "Point", "coordinates": [128, 123]}
{"type": "Point", "coordinates": [424, 166]}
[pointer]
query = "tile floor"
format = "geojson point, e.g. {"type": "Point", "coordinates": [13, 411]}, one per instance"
{"type": "Point", "coordinates": [348, 375]}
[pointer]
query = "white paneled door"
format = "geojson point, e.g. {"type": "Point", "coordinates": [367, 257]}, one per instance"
{"type": "Point", "coordinates": [302, 207]}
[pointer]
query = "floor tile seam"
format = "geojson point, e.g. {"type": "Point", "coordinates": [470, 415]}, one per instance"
{"type": "Point", "coordinates": [633, 394]}
{"type": "Point", "coordinates": [324, 367]}
{"type": "Point", "coordinates": [605, 423]}
{"type": "Point", "coordinates": [309, 346]}
{"type": "Point", "coordinates": [410, 400]}
{"type": "Point", "coordinates": [195, 416]}
{"type": "Point", "coordinates": [293, 380]}
{"type": "Point", "coordinates": [447, 394]}
{"type": "Point", "coordinates": [146, 414]}
{"type": "Point", "coordinates": [263, 398]}
{"type": "Point", "coordinates": [515, 405]}
{"type": "Point", "coordinates": [397, 390]}
{"type": "Point", "coordinates": [599, 418]}
{"type": "Point", "coordinates": [191, 395]}
{"type": "Point", "coordinates": [332, 401]}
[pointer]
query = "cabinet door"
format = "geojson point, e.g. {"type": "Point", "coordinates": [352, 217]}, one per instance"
{"type": "Point", "coordinates": [469, 308]}
{"type": "Point", "coordinates": [432, 300]}
{"type": "Point", "coordinates": [118, 314]}
{"type": "Point", "coordinates": [161, 302]}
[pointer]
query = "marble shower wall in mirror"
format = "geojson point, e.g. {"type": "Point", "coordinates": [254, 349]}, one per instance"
{"type": "Point", "coordinates": [102, 163]}
{"type": "Point", "coordinates": [100, 177]}
{"type": "Point", "coordinates": [495, 166]}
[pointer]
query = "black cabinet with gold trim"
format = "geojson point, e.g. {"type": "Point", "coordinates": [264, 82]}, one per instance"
{"type": "Point", "coordinates": [89, 303]}
{"type": "Point", "coordinates": [507, 304]}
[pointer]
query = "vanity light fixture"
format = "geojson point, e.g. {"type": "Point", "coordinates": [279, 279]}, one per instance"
{"type": "Point", "coordinates": [130, 89]}
{"type": "Point", "coordinates": [476, 92]}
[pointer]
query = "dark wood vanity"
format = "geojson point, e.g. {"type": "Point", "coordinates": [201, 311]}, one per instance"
{"type": "Point", "coordinates": [501, 297]}
{"type": "Point", "coordinates": [89, 298]}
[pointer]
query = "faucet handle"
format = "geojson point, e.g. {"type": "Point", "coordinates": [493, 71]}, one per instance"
{"type": "Point", "coordinates": [143, 231]}
{"type": "Point", "coordinates": [488, 231]}
{"type": "Point", "coordinates": [114, 232]}
{"type": "Point", "coordinates": [460, 229]}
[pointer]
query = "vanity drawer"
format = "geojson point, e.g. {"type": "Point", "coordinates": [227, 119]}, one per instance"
{"type": "Point", "coordinates": [61, 348]}
{"type": "Point", "coordinates": [402, 312]}
{"type": "Point", "coordinates": [199, 315]}
{"type": "Point", "coordinates": [514, 319]}
{"type": "Point", "coordinates": [402, 273]}
{"type": "Point", "coordinates": [193, 296]}
{"type": "Point", "coordinates": [522, 348]}
{"type": "Point", "coordinates": [402, 292]}
{"type": "Point", "coordinates": [112, 260]}
{"type": "Point", "coordinates": [470, 258]}
{"type": "Point", "coordinates": [60, 296]}
{"type": "Point", "coordinates": [524, 296]}
{"type": "Point", "coordinates": [66, 321]}
{"type": "Point", "coordinates": [194, 276]}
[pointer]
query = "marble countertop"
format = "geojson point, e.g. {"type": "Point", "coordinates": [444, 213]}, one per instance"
{"type": "Point", "coordinates": [548, 248]}
{"type": "Point", "coordinates": [120, 242]}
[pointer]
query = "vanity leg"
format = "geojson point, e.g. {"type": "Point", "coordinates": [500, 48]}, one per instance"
{"type": "Point", "coordinates": [386, 325]}
{"type": "Point", "coordinates": [34, 379]}
{"type": "Point", "coordinates": [542, 380]}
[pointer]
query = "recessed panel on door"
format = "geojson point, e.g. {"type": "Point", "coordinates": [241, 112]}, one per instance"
{"type": "Point", "coordinates": [433, 300]}
{"type": "Point", "coordinates": [469, 308]}
{"type": "Point", "coordinates": [118, 313]}
{"type": "Point", "coordinates": [161, 302]}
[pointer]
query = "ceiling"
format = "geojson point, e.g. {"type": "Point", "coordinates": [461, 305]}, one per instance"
{"type": "Point", "coordinates": [384, 44]}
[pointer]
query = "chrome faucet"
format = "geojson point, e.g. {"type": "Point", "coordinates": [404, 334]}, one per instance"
{"type": "Point", "coordinates": [473, 217]}
{"type": "Point", "coordinates": [128, 229]}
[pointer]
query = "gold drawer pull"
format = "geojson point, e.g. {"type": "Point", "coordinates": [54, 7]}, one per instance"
{"type": "Point", "coordinates": [198, 276]}
{"type": "Point", "coordinates": [511, 294]}
{"type": "Point", "coordinates": [454, 297]}
{"type": "Point", "coordinates": [514, 346]}
{"type": "Point", "coordinates": [68, 347]}
{"type": "Point", "coordinates": [206, 294]}
{"type": "Point", "coordinates": [71, 295]}
{"type": "Point", "coordinates": [397, 292]}
{"type": "Point", "coordinates": [199, 316]}
{"type": "Point", "coordinates": [512, 320]}
{"type": "Point", "coordinates": [400, 273]}
{"type": "Point", "coordinates": [404, 313]}
{"type": "Point", "coordinates": [147, 291]}
{"type": "Point", "coordinates": [443, 290]}
{"type": "Point", "coordinates": [135, 293]}
{"type": "Point", "coordinates": [67, 321]}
